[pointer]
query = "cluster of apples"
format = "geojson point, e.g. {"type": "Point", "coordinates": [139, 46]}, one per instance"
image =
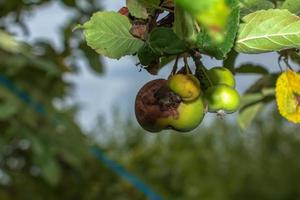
{"type": "Point", "coordinates": [221, 97]}
{"type": "Point", "coordinates": [179, 103]}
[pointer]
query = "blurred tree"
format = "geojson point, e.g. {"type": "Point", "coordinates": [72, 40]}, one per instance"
{"type": "Point", "coordinates": [47, 156]}
{"type": "Point", "coordinates": [215, 162]}
{"type": "Point", "coordinates": [36, 148]}
{"type": "Point", "coordinates": [43, 152]}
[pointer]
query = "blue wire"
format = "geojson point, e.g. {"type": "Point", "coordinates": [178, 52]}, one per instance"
{"type": "Point", "coordinates": [99, 154]}
{"type": "Point", "coordinates": [123, 173]}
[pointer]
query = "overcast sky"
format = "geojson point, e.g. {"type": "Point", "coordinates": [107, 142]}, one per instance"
{"type": "Point", "coordinates": [122, 79]}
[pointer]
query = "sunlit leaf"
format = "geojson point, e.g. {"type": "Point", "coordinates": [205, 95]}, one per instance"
{"type": "Point", "coordinates": [268, 30]}
{"type": "Point", "coordinates": [137, 9]}
{"type": "Point", "coordinates": [108, 34]}
{"type": "Point", "coordinates": [8, 43]}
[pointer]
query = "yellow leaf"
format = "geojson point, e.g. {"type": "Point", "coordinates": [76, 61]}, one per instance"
{"type": "Point", "coordinates": [288, 95]}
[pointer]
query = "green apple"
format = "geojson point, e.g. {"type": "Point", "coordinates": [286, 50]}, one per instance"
{"type": "Point", "coordinates": [157, 108]}
{"type": "Point", "coordinates": [188, 116]}
{"type": "Point", "coordinates": [222, 98]}
{"type": "Point", "coordinates": [187, 86]}
{"type": "Point", "coordinates": [221, 75]}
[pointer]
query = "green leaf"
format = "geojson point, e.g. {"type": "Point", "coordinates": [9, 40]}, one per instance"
{"type": "Point", "coordinates": [195, 7]}
{"type": "Point", "coordinates": [9, 104]}
{"type": "Point", "coordinates": [256, 98]}
{"type": "Point", "coordinates": [250, 6]}
{"type": "Point", "coordinates": [230, 60]}
{"type": "Point", "coordinates": [137, 9]}
{"type": "Point", "coordinates": [252, 104]}
{"type": "Point", "coordinates": [163, 41]}
{"type": "Point", "coordinates": [43, 158]}
{"type": "Point", "coordinates": [92, 57]}
{"type": "Point", "coordinates": [268, 30]}
{"type": "Point", "coordinates": [8, 43]}
{"type": "Point", "coordinates": [147, 56]}
{"type": "Point", "coordinates": [150, 3]}
{"type": "Point", "coordinates": [247, 115]}
{"type": "Point", "coordinates": [7, 110]}
{"type": "Point", "coordinates": [108, 34]}
{"type": "Point", "coordinates": [71, 3]}
{"type": "Point", "coordinates": [265, 82]}
{"type": "Point", "coordinates": [292, 5]}
{"type": "Point", "coordinates": [161, 63]}
{"type": "Point", "coordinates": [51, 171]}
{"type": "Point", "coordinates": [220, 50]}
{"type": "Point", "coordinates": [249, 99]}
{"type": "Point", "coordinates": [153, 61]}
{"type": "Point", "coordinates": [184, 26]}
{"type": "Point", "coordinates": [249, 68]}
{"type": "Point", "coordinates": [166, 60]}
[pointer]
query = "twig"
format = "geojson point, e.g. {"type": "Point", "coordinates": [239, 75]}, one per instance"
{"type": "Point", "coordinates": [152, 20]}
{"type": "Point", "coordinates": [175, 66]}
{"type": "Point", "coordinates": [201, 72]}
{"type": "Point", "coordinates": [186, 64]}
{"type": "Point", "coordinates": [284, 56]}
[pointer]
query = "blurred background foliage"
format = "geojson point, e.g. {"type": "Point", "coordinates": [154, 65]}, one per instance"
{"type": "Point", "coordinates": [47, 156]}
{"type": "Point", "coordinates": [216, 161]}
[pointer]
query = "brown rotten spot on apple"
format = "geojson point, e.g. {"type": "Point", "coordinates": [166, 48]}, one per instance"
{"type": "Point", "coordinates": [158, 107]}
{"type": "Point", "coordinates": [154, 101]}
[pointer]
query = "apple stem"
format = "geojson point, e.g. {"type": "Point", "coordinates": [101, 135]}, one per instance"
{"type": "Point", "coordinates": [285, 58]}
{"type": "Point", "coordinates": [221, 114]}
{"type": "Point", "coordinates": [201, 71]}
{"type": "Point", "coordinates": [186, 64]}
{"type": "Point", "coordinates": [206, 108]}
{"type": "Point", "coordinates": [175, 67]}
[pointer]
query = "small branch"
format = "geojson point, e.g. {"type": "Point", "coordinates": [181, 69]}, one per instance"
{"type": "Point", "coordinates": [197, 27]}
{"type": "Point", "coordinates": [152, 20]}
{"type": "Point", "coordinates": [279, 64]}
{"type": "Point", "coordinates": [168, 20]}
{"type": "Point", "coordinates": [175, 66]}
{"type": "Point", "coordinates": [284, 56]}
{"type": "Point", "coordinates": [186, 65]}
{"type": "Point", "coordinates": [201, 71]}
{"type": "Point", "coordinates": [286, 61]}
